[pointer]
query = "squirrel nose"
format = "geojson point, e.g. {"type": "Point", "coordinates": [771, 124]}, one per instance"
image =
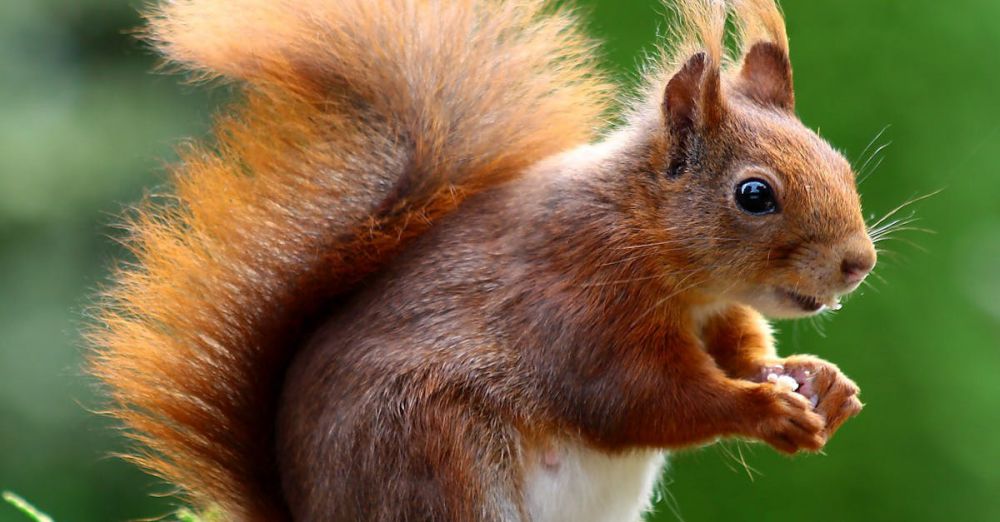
{"type": "Point", "coordinates": [856, 267]}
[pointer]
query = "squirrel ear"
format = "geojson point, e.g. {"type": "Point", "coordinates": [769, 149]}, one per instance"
{"type": "Point", "coordinates": [766, 76]}
{"type": "Point", "coordinates": [693, 98]}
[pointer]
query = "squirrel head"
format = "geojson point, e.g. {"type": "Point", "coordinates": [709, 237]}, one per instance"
{"type": "Point", "coordinates": [759, 205]}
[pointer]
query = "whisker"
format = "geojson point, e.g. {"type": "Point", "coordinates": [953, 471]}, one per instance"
{"type": "Point", "coordinates": [904, 205]}
{"type": "Point", "coordinates": [878, 276]}
{"type": "Point", "coordinates": [871, 286]}
{"type": "Point", "coordinates": [864, 172]}
{"type": "Point", "coordinates": [913, 244]}
{"type": "Point", "coordinates": [728, 453]}
{"type": "Point", "coordinates": [868, 174]}
{"type": "Point", "coordinates": [749, 469]}
{"type": "Point", "coordinates": [671, 501]}
{"type": "Point", "coordinates": [881, 231]}
{"type": "Point", "coordinates": [726, 447]}
{"type": "Point", "coordinates": [905, 229]}
{"type": "Point", "coordinates": [884, 252]}
{"type": "Point", "coordinates": [820, 329]}
{"type": "Point", "coordinates": [867, 171]}
{"type": "Point", "coordinates": [890, 227]}
{"type": "Point", "coordinates": [872, 142]}
{"type": "Point", "coordinates": [908, 217]}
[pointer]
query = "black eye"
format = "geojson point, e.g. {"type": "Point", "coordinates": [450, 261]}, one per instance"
{"type": "Point", "coordinates": [756, 197]}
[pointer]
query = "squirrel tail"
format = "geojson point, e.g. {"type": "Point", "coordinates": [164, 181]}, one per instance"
{"type": "Point", "coordinates": [358, 124]}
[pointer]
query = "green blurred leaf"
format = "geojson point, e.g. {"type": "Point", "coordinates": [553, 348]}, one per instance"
{"type": "Point", "coordinates": [25, 508]}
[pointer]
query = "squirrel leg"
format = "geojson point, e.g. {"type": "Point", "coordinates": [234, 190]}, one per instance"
{"type": "Point", "coordinates": [739, 339]}
{"type": "Point", "coordinates": [740, 342]}
{"type": "Point", "coordinates": [691, 401]}
{"type": "Point", "coordinates": [776, 415]}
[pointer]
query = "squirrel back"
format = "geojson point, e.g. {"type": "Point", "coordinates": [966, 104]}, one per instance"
{"type": "Point", "coordinates": [359, 124]}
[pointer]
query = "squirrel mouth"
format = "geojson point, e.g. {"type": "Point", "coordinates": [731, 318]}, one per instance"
{"type": "Point", "coordinates": [807, 303]}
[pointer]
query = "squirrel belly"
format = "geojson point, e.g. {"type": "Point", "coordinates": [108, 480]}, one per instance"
{"type": "Point", "coordinates": [574, 482]}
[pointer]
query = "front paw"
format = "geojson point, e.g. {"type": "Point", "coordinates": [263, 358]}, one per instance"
{"type": "Point", "coordinates": [786, 420]}
{"type": "Point", "coordinates": [832, 394]}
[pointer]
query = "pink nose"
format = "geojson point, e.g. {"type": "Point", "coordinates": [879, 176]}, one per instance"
{"type": "Point", "coordinates": [856, 268]}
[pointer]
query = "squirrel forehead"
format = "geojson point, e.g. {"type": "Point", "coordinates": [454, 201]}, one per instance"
{"type": "Point", "coordinates": [780, 142]}
{"type": "Point", "coordinates": [817, 182]}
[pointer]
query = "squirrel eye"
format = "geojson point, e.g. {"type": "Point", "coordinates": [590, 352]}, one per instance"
{"type": "Point", "coordinates": [756, 197]}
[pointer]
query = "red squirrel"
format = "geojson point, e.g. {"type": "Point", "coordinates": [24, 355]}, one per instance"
{"type": "Point", "coordinates": [415, 275]}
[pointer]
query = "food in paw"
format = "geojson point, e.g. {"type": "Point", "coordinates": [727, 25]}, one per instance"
{"type": "Point", "coordinates": [798, 380]}
{"type": "Point", "coordinates": [783, 381]}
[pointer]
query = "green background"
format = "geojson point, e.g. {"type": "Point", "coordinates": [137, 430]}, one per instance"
{"type": "Point", "coordinates": [85, 127]}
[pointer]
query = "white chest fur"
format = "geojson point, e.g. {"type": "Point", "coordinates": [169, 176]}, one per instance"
{"type": "Point", "coordinates": [571, 482]}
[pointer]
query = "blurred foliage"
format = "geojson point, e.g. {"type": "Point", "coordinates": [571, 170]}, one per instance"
{"type": "Point", "coordinates": [86, 126]}
{"type": "Point", "coordinates": [25, 508]}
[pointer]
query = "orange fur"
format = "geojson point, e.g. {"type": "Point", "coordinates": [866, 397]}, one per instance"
{"type": "Point", "coordinates": [361, 123]}
{"type": "Point", "coordinates": [760, 21]}
{"type": "Point", "coordinates": [382, 273]}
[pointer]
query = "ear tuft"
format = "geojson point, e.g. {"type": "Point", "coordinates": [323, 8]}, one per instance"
{"type": "Point", "coordinates": [680, 101]}
{"type": "Point", "coordinates": [693, 98]}
{"type": "Point", "coordinates": [766, 76]}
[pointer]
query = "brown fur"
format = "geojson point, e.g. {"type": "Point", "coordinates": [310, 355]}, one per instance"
{"type": "Point", "coordinates": [393, 171]}
{"type": "Point", "coordinates": [357, 130]}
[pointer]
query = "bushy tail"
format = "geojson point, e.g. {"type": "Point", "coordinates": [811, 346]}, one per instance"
{"type": "Point", "coordinates": [360, 122]}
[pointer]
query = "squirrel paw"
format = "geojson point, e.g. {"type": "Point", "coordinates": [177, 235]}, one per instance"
{"type": "Point", "coordinates": [832, 394]}
{"type": "Point", "coordinates": [788, 422]}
